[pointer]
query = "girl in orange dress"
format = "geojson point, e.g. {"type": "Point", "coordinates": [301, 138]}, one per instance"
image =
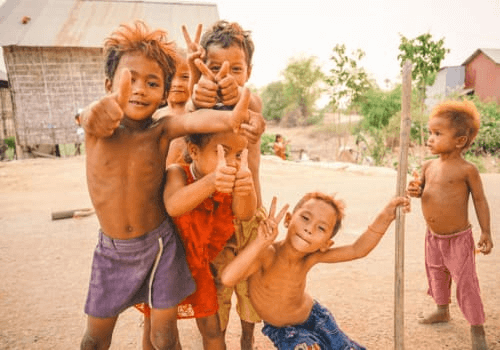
{"type": "Point", "coordinates": [204, 198]}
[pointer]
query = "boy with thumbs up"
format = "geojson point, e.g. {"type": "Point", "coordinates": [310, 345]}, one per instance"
{"type": "Point", "coordinates": [223, 59]}
{"type": "Point", "coordinates": [139, 257]}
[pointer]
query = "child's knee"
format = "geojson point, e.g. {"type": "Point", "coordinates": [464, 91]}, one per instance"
{"type": "Point", "coordinates": [164, 341]}
{"type": "Point", "coordinates": [92, 342]}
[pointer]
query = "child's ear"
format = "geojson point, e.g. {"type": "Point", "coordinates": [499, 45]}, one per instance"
{"type": "Point", "coordinates": [327, 245]}
{"type": "Point", "coordinates": [108, 85]}
{"type": "Point", "coordinates": [192, 150]}
{"type": "Point", "coordinates": [288, 217]}
{"type": "Point", "coordinates": [461, 141]}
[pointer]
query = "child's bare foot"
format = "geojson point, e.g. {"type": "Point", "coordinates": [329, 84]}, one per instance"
{"type": "Point", "coordinates": [478, 338]}
{"type": "Point", "coordinates": [442, 314]}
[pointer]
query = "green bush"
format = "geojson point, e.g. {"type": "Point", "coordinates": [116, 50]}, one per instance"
{"type": "Point", "coordinates": [266, 143]}
{"type": "Point", "coordinates": [10, 142]}
{"type": "Point", "coordinates": [488, 138]}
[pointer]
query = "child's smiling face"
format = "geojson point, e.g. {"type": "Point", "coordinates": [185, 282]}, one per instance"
{"type": "Point", "coordinates": [310, 227]}
{"type": "Point", "coordinates": [179, 88]}
{"type": "Point", "coordinates": [147, 85]}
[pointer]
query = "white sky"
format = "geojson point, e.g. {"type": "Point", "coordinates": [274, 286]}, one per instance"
{"type": "Point", "coordinates": [285, 29]}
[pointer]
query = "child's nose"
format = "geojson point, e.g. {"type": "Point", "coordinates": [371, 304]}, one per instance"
{"type": "Point", "coordinates": [138, 87]}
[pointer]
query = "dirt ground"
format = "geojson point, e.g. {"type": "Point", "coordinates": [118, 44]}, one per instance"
{"type": "Point", "coordinates": [45, 264]}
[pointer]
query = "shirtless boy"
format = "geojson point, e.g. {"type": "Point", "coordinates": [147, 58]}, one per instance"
{"type": "Point", "coordinates": [139, 257]}
{"type": "Point", "coordinates": [277, 271]}
{"type": "Point", "coordinates": [445, 186]}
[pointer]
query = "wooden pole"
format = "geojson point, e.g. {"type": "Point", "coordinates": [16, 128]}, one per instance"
{"type": "Point", "coordinates": [400, 219]}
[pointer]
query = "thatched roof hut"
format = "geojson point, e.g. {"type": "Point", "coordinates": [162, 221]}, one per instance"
{"type": "Point", "coordinates": [53, 55]}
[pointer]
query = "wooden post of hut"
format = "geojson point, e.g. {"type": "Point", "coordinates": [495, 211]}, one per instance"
{"type": "Point", "coordinates": [400, 219]}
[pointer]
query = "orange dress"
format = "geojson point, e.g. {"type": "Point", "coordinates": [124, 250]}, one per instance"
{"type": "Point", "coordinates": [204, 232]}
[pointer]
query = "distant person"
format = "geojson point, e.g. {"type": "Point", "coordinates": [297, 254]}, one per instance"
{"type": "Point", "coordinates": [445, 186]}
{"type": "Point", "coordinates": [279, 146]}
{"type": "Point", "coordinates": [80, 133]}
{"type": "Point", "coordinates": [139, 256]}
{"type": "Point", "coordinates": [277, 271]}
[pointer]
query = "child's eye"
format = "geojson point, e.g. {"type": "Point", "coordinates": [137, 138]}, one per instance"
{"type": "Point", "coordinates": [215, 69]}
{"type": "Point", "coordinates": [185, 76]}
{"type": "Point", "coordinates": [153, 84]}
{"type": "Point", "coordinates": [238, 155]}
{"type": "Point", "coordinates": [305, 217]}
{"type": "Point", "coordinates": [237, 69]}
{"type": "Point", "coordinates": [322, 229]}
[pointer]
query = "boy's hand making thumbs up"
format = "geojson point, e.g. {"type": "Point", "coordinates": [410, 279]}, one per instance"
{"type": "Point", "coordinates": [224, 175]}
{"type": "Point", "coordinates": [243, 185]}
{"type": "Point", "coordinates": [102, 117]}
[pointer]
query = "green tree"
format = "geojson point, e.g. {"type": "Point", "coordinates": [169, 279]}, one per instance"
{"type": "Point", "coordinates": [302, 84]}
{"type": "Point", "coordinates": [274, 101]}
{"type": "Point", "coordinates": [426, 56]}
{"type": "Point", "coordinates": [347, 80]}
{"type": "Point", "coordinates": [377, 107]}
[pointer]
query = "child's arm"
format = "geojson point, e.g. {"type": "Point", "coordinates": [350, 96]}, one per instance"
{"type": "Point", "coordinates": [207, 120]}
{"type": "Point", "coordinates": [244, 195]}
{"type": "Point", "coordinates": [249, 260]}
{"type": "Point", "coordinates": [180, 198]}
{"type": "Point", "coordinates": [102, 117]}
{"type": "Point", "coordinates": [475, 184]}
{"type": "Point", "coordinates": [369, 239]}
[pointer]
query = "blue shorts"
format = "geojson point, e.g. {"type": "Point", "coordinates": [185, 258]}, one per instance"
{"type": "Point", "coordinates": [319, 329]}
{"type": "Point", "coordinates": [148, 269]}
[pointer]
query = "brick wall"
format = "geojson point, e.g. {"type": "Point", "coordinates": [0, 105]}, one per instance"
{"type": "Point", "coordinates": [48, 86]}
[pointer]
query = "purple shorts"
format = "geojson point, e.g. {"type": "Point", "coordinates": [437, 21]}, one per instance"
{"type": "Point", "coordinates": [149, 269]}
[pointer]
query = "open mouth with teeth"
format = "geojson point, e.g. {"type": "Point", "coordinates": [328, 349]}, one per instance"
{"type": "Point", "coordinates": [139, 103]}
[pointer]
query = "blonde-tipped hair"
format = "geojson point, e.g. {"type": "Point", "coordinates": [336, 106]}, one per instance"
{"type": "Point", "coordinates": [138, 37]}
{"type": "Point", "coordinates": [463, 117]}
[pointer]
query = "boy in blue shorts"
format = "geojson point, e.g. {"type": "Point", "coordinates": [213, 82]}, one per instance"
{"type": "Point", "coordinates": [139, 257]}
{"type": "Point", "coordinates": [277, 271]}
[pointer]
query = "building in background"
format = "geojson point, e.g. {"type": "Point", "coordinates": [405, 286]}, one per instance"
{"type": "Point", "coordinates": [53, 56]}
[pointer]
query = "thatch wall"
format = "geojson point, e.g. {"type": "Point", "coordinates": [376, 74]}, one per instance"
{"type": "Point", "coordinates": [49, 84]}
{"type": "Point", "coordinates": [7, 126]}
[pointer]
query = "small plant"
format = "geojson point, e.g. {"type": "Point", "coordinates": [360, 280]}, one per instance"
{"type": "Point", "coordinates": [266, 143]}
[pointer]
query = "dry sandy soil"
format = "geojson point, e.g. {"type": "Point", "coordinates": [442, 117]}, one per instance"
{"type": "Point", "coordinates": [45, 264]}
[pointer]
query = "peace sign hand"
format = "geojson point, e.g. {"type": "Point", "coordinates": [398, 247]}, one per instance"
{"type": "Point", "coordinates": [194, 51]}
{"type": "Point", "coordinates": [102, 117]}
{"type": "Point", "coordinates": [205, 91]}
{"type": "Point", "coordinates": [268, 228]}
{"type": "Point", "coordinates": [243, 186]}
{"type": "Point", "coordinates": [224, 175]}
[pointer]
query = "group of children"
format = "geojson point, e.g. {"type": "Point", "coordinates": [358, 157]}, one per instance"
{"type": "Point", "coordinates": [173, 155]}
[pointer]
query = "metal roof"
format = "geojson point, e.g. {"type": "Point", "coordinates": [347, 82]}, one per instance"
{"type": "Point", "coordinates": [86, 23]}
{"type": "Point", "coordinates": [493, 54]}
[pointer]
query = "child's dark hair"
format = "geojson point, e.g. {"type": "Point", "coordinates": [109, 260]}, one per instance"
{"type": "Point", "coordinates": [225, 34]}
{"type": "Point", "coordinates": [201, 140]}
{"type": "Point", "coordinates": [278, 136]}
{"type": "Point", "coordinates": [336, 204]}
{"type": "Point", "coordinates": [463, 117]}
{"type": "Point", "coordinates": [138, 37]}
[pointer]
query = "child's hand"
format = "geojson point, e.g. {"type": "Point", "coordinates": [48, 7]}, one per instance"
{"type": "Point", "coordinates": [205, 93]}
{"type": "Point", "coordinates": [243, 186]}
{"type": "Point", "coordinates": [268, 228]}
{"type": "Point", "coordinates": [390, 208]}
{"type": "Point", "coordinates": [195, 50]}
{"type": "Point", "coordinates": [255, 127]}
{"type": "Point", "coordinates": [229, 90]}
{"type": "Point", "coordinates": [241, 113]}
{"type": "Point", "coordinates": [415, 186]}
{"type": "Point", "coordinates": [102, 117]}
{"type": "Point", "coordinates": [224, 175]}
{"type": "Point", "coordinates": [485, 243]}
